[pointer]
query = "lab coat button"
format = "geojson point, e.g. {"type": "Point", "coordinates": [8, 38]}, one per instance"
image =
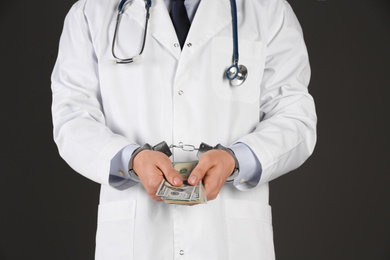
{"type": "Point", "coordinates": [181, 252]}
{"type": "Point", "coordinates": [181, 92]}
{"type": "Point", "coordinates": [121, 173]}
{"type": "Point", "coordinates": [189, 44]}
{"type": "Point", "coordinates": [176, 45]}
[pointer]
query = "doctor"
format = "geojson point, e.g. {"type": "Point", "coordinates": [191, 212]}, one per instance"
{"type": "Point", "coordinates": [105, 113]}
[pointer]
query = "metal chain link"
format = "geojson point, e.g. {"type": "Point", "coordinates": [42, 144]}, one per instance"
{"type": "Point", "coordinates": [184, 147]}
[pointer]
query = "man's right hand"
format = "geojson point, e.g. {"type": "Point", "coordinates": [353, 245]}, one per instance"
{"type": "Point", "coordinates": [151, 167]}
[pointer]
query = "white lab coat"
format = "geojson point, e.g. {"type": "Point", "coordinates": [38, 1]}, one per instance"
{"type": "Point", "coordinates": [183, 96]}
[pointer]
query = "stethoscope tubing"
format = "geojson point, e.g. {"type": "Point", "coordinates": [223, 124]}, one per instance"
{"type": "Point", "coordinates": [119, 16]}
{"type": "Point", "coordinates": [235, 32]}
{"type": "Point", "coordinates": [148, 4]}
{"type": "Point", "coordinates": [121, 4]}
{"type": "Point", "coordinates": [235, 73]}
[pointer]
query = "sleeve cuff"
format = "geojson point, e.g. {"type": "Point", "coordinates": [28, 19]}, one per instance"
{"type": "Point", "coordinates": [119, 173]}
{"type": "Point", "coordinates": [250, 167]}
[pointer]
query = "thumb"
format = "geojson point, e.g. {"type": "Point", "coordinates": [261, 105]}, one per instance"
{"type": "Point", "coordinates": [198, 173]}
{"type": "Point", "coordinates": [172, 176]}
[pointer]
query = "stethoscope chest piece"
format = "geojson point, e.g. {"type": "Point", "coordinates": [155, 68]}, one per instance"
{"type": "Point", "coordinates": [237, 74]}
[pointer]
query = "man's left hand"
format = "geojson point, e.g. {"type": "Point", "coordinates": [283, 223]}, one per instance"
{"type": "Point", "coordinates": [214, 167]}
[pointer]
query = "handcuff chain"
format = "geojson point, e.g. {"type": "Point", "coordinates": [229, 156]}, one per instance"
{"type": "Point", "coordinates": [184, 147]}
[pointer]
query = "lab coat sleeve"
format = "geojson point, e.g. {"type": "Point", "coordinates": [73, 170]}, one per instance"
{"type": "Point", "coordinates": [80, 132]}
{"type": "Point", "coordinates": [286, 134]}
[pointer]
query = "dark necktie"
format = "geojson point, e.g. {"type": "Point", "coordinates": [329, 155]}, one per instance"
{"type": "Point", "coordinates": [180, 20]}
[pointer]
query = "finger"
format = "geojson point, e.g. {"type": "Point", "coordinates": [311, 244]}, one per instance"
{"type": "Point", "coordinates": [199, 172]}
{"type": "Point", "coordinates": [156, 198]}
{"type": "Point", "coordinates": [171, 175]}
{"type": "Point", "coordinates": [152, 195]}
{"type": "Point", "coordinates": [151, 191]}
{"type": "Point", "coordinates": [211, 188]}
{"type": "Point", "coordinates": [151, 177]}
{"type": "Point", "coordinates": [151, 181]}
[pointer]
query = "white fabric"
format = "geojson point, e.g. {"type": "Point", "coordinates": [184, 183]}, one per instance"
{"type": "Point", "coordinates": [271, 112]}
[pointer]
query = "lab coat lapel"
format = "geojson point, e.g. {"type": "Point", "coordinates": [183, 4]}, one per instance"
{"type": "Point", "coordinates": [160, 23]}
{"type": "Point", "coordinates": [211, 17]}
{"type": "Point", "coordinates": [161, 27]}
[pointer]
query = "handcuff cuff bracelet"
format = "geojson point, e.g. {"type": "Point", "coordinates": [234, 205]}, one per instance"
{"type": "Point", "coordinates": [164, 148]}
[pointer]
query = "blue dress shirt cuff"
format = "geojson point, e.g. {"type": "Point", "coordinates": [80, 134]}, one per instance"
{"type": "Point", "coordinates": [119, 173]}
{"type": "Point", "coordinates": [250, 167]}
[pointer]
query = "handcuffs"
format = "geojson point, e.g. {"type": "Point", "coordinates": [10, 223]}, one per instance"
{"type": "Point", "coordinates": [164, 148]}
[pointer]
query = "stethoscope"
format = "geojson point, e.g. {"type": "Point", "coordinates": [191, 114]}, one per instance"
{"type": "Point", "coordinates": [236, 73]}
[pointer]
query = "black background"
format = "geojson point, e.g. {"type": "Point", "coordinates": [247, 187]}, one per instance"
{"type": "Point", "coordinates": [336, 206]}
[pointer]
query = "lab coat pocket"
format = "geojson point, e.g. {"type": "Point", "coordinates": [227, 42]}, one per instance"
{"type": "Point", "coordinates": [114, 238]}
{"type": "Point", "coordinates": [250, 230]}
{"type": "Point", "coordinates": [251, 55]}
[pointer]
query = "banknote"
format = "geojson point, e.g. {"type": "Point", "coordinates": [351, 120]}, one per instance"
{"type": "Point", "coordinates": [199, 197]}
{"type": "Point", "coordinates": [185, 194]}
{"type": "Point", "coordinates": [184, 191]}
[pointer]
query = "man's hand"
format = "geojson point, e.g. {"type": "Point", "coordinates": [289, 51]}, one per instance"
{"type": "Point", "coordinates": [151, 167]}
{"type": "Point", "coordinates": [214, 167]}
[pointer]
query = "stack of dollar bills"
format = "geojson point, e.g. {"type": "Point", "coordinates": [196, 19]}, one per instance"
{"type": "Point", "coordinates": [186, 193]}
